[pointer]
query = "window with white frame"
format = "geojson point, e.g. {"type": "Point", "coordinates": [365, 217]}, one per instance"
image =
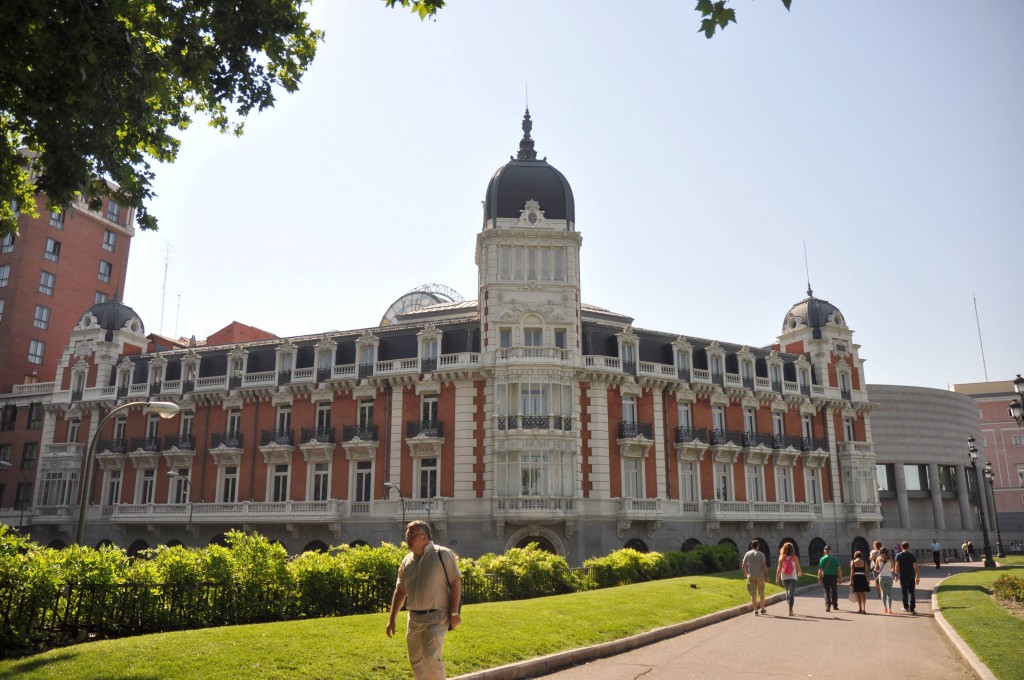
{"type": "Point", "coordinates": [848, 429]}
{"type": "Point", "coordinates": [58, 488]}
{"type": "Point", "coordinates": [57, 219]}
{"type": "Point", "coordinates": [41, 319]}
{"type": "Point", "coordinates": [778, 424]}
{"type": "Point", "coordinates": [1, 309]}
{"type": "Point", "coordinates": [179, 487]}
{"type": "Point", "coordinates": [7, 244]}
{"type": "Point", "coordinates": [120, 427]}
{"type": "Point", "coordinates": [367, 355]}
{"type": "Point", "coordinates": [534, 473]}
{"type": "Point", "coordinates": [723, 481]}
{"type": "Point", "coordinates": [320, 490]}
{"type": "Point", "coordinates": [718, 417]}
{"type": "Point", "coordinates": [632, 477]}
{"type": "Point", "coordinates": [187, 422]}
{"type": "Point", "coordinates": [363, 482]}
{"type": "Point", "coordinates": [812, 485]}
{"type": "Point", "coordinates": [783, 484]}
{"type": "Point", "coordinates": [685, 415]}
{"type": "Point", "coordinates": [1017, 440]}
{"type": "Point", "coordinates": [844, 382]}
{"type": "Point", "coordinates": [1020, 476]}
{"type": "Point", "coordinates": [560, 338]}
{"type": "Point", "coordinates": [531, 263]}
{"type": "Point", "coordinates": [807, 427]}
{"type": "Point", "coordinates": [689, 482]}
{"type": "Point", "coordinates": [629, 409]}
{"type": "Point", "coordinates": [113, 487]}
{"type": "Point", "coordinates": [365, 413]}
{"type": "Point", "coordinates": [152, 426]}
{"type": "Point", "coordinates": [106, 271]}
{"type": "Point", "coordinates": [36, 350]}
{"type": "Point", "coordinates": [279, 483]}
{"type": "Point", "coordinates": [47, 282]}
{"type": "Point", "coordinates": [533, 337]}
{"type": "Point", "coordinates": [323, 417]}
{"type": "Point", "coordinates": [146, 485]}
{"type": "Point", "coordinates": [109, 240]}
{"type": "Point", "coordinates": [427, 477]}
{"type": "Point", "coordinates": [535, 401]}
{"type": "Point", "coordinates": [73, 428]}
{"type": "Point", "coordinates": [749, 420]}
{"type": "Point", "coordinates": [234, 421]}
{"type": "Point", "coordinates": [755, 483]}
{"type": "Point", "coordinates": [284, 420]}
{"type": "Point", "coordinates": [428, 408]}
{"type": "Point", "coordinates": [52, 251]}
{"type": "Point", "coordinates": [229, 484]}
{"type": "Point", "coordinates": [113, 211]}
{"type": "Point", "coordinates": [505, 338]}
{"type": "Point", "coordinates": [5, 275]}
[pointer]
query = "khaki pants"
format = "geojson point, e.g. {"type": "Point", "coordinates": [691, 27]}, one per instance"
{"type": "Point", "coordinates": [424, 639]}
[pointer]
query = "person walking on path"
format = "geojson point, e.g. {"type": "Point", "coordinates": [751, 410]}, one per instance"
{"type": "Point", "coordinates": [830, 576]}
{"type": "Point", "coordinates": [789, 571]}
{"type": "Point", "coordinates": [907, 571]}
{"type": "Point", "coordinates": [755, 568]}
{"type": "Point", "coordinates": [963, 549]}
{"type": "Point", "coordinates": [883, 567]}
{"type": "Point", "coordinates": [430, 584]}
{"type": "Point", "coordinates": [936, 553]}
{"type": "Point", "coordinates": [876, 550]}
{"type": "Point", "coordinates": [859, 581]}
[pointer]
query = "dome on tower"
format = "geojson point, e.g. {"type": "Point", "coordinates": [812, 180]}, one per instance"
{"type": "Point", "coordinates": [813, 313]}
{"type": "Point", "coordinates": [524, 178]}
{"type": "Point", "coordinates": [112, 315]}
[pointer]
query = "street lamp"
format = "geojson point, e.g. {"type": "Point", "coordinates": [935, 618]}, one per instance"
{"type": "Point", "coordinates": [972, 452]}
{"type": "Point", "coordinates": [164, 409]}
{"type": "Point", "coordinates": [1017, 405]}
{"type": "Point", "coordinates": [990, 475]}
{"type": "Point", "coordinates": [6, 465]}
{"type": "Point", "coordinates": [188, 490]}
{"type": "Point", "coordinates": [392, 485]}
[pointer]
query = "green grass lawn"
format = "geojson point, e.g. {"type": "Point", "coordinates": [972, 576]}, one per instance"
{"type": "Point", "coordinates": [995, 635]}
{"type": "Point", "coordinates": [355, 647]}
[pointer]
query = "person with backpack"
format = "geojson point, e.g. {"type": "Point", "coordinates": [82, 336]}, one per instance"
{"type": "Point", "coordinates": [430, 585]}
{"type": "Point", "coordinates": [830, 576]}
{"type": "Point", "coordinates": [788, 571]}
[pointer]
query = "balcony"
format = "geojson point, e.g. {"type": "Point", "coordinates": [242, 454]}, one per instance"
{"type": "Point", "coordinates": [428, 365]}
{"type": "Point", "coordinates": [521, 422]}
{"type": "Point", "coordinates": [683, 374]}
{"type": "Point", "coordinates": [322, 435]}
{"type": "Point", "coordinates": [148, 444]}
{"type": "Point", "coordinates": [112, 446]}
{"type": "Point", "coordinates": [720, 437]}
{"type": "Point", "coordinates": [359, 441]}
{"type": "Point", "coordinates": [716, 511]}
{"type": "Point", "coordinates": [533, 354]}
{"type": "Point", "coordinates": [64, 449]}
{"type": "Point", "coordinates": [424, 428]}
{"type": "Point", "coordinates": [629, 429]}
{"type": "Point", "coordinates": [184, 442]}
{"type": "Point", "coordinates": [689, 434]}
{"type": "Point", "coordinates": [280, 437]}
{"type": "Point", "coordinates": [533, 510]}
{"type": "Point", "coordinates": [638, 509]}
{"type": "Point", "coordinates": [360, 432]}
{"type": "Point", "coordinates": [250, 511]}
{"type": "Point", "coordinates": [228, 440]}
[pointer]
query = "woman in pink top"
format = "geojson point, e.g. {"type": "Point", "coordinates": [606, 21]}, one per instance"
{"type": "Point", "coordinates": [788, 572]}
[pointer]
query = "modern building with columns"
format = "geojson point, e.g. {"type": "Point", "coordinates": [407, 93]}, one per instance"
{"type": "Point", "coordinates": [523, 416]}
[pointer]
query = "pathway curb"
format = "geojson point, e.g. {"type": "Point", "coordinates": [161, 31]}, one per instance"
{"type": "Point", "coordinates": [965, 652]}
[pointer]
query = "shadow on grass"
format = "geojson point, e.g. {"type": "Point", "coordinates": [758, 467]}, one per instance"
{"type": "Point", "coordinates": [952, 588]}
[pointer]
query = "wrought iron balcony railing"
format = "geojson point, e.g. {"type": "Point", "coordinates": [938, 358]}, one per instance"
{"type": "Point", "coordinates": [629, 429]}
{"type": "Point", "coordinates": [366, 433]}
{"type": "Point", "coordinates": [113, 445]}
{"type": "Point", "coordinates": [684, 374]}
{"type": "Point", "coordinates": [232, 440]}
{"type": "Point", "coordinates": [365, 370]}
{"type": "Point", "coordinates": [323, 435]}
{"type": "Point", "coordinates": [427, 428]}
{"type": "Point", "coordinates": [689, 434]}
{"type": "Point", "coordinates": [185, 442]}
{"type": "Point", "coordinates": [280, 436]}
{"type": "Point", "coordinates": [428, 365]}
{"type": "Point", "coordinates": [521, 422]}
{"type": "Point", "coordinates": [719, 437]}
{"type": "Point", "coordinates": [146, 444]}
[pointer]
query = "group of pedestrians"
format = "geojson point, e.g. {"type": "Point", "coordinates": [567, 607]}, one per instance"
{"type": "Point", "coordinates": [880, 566]}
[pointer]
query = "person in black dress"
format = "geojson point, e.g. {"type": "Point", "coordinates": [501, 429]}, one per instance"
{"type": "Point", "coordinates": [859, 581]}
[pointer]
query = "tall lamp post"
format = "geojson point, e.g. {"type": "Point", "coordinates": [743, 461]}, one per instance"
{"type": "Point", "coordinates": [990, 475]}
{"type": "Point", "coordinates": [391, 485]}
{"type": "Point", "coordinates": [164, 409]}
{"type": "Point", "coordinates": [6, 465]}
{"type": "Point", "coordinates": [174, 474]}
{"type": "Point", "coordinates": [1017, 405]}
{"type": "Point", "coordinates": [972, 451]}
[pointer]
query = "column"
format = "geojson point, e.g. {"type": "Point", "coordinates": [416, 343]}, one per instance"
{"type": "Point", "coordinates": [395, 436]}
{"type": "Point", "coordinates": [962, 497]}
{"type": "Point", "coordinates": [901, 495]}
{"type": "Point", "coordinates": [599, 429]}
{"type": "Point", "coordinates": [659, 442]}
{"type": "Point", "coordinates": [465, 434]}
{"type": "Point", "coordinates": [935, 491]}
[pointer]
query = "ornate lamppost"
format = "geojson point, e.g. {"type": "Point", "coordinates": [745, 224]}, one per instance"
{"type": "Point", "coordinates": [990, 476]}
{"type": "Point", "coordinates": [164, 409]}
{"type": "Point", "coordinates": [972, 452]}
{"type": "Point", "coordinates": [1017, 405]}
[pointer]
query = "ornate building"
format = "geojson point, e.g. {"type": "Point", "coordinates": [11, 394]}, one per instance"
{"type": "Point", "coordinates": [524, 416]}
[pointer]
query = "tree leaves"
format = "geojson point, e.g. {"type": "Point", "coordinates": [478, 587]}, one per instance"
{"type": "Point", "coordinates": [716, 15]}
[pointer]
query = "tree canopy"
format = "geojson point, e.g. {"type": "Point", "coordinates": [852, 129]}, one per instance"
{"type": "Point", "coordinates": [91, 91]}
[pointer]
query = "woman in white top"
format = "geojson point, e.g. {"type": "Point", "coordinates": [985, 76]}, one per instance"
{"type": "Point", "coordinates": [883, 567]}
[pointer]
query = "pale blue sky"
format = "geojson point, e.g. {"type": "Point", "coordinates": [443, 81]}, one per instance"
{"type": "Point", "coordinates": [887, 136]}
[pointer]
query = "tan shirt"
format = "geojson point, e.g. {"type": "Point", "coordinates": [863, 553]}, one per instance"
{"type": "Point", "coordinates": [424, 579]}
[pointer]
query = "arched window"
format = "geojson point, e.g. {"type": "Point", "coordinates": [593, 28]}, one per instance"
{"type": "Point", "coordinates": [219, 539]}
{"type": "Point", "coordinates": [137, 547]}
{"type": "Point", "coordinates": [359, 543]}
{"type": "Point", "coordinates": [636, 544]}
{"type": "Point", "coordinates": [174, 543]}
{"type": "Point", "coordinates": [105, 543]}
{"type": "Point", "coordinates": [542, 543]}
{"type": "Point", "coordinates": [315, 546]}
{"type": "Point", "coordinates": [56, 544]}
{"type": "Point", "coordinates": [689, 544]}
{"type": "Point", "coordinates": [815, 550]}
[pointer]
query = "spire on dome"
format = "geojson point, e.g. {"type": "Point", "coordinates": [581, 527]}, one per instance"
{"type": "Point", "coordinates": [526, 150]}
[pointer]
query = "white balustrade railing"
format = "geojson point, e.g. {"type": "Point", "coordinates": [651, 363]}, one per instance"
{"type": "Point", "coordinates": [64, 448]}
{"type": "Point", "coordinates": [344, 371]}
{"type": "Point", "coordinates": [304, 375]}
{"type": "Point", "coordinates": [606, 363]}
{"type": "Point", "coordinates": [260, 378]}
{"type": "Point", "coordinates": [701, 375]}
{"type": "Point", "coordinates": [459, 360]}
{"type": "Point", "coordinates": [213, 382]}
{"type": "Point", "coordinates": [33, 388]}
{"type": "Point", "coordinates": [138, 390]}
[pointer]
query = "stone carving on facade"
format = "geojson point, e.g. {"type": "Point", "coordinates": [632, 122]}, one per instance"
{"type": "Point", "coordinates": [277, 454]}
{"type": "Point", "coordinates": [178, 458]}
{"type": "Point", "coordinates": [531, 217]}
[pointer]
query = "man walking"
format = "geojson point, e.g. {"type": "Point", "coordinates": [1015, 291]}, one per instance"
{"type": "Point", "coordinates": [430, 584]}
{"type": "Point", "coordinates": [830, 575]}
{"type": "Point", "coordinates": [936, 552]}
{"type": "Point", "coordinates": [755, 568]}
{"type": "Point", "coordinates": [907, 571]}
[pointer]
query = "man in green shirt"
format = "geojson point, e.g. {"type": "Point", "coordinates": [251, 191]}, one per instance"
{"type": "Point", "coordinates": [830, 576]}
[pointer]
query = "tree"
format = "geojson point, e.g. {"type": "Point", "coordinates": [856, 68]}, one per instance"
{"type": "Point", "coordinates": [92, 90]}
{"type": "Point", "coordinates": [717, 15]}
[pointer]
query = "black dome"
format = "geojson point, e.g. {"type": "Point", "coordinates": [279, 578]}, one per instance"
{"type": "Point", "coordinates": [112, 315]}
{"type": "Point", "coordinates": [525, 178]}
{"type": "Point", "coordinates": [813, 313]}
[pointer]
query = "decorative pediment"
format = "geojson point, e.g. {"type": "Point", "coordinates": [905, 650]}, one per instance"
{"type": "Point", "coordinates": [815, 458]}
{"type": "Point", "coordinates": [719, 398]}
{"type": "Point", "coordinates": [364, 392]}
{"type": "Point", "coordinates": [726, 453]}
{"type": "Point", "coordinates": [111, 461]}
{"type": "Point", "coordinates": [531, 216]}
{"type": "Point", "coordinates": [179, 458]}
{"type": "Point", "coordinates": [321, 394]}
{"type": "Point", "coordinates": [422, 446]}
{"type": "Point", "coordinates": [691, 451]}
{"type": "Point", "coordinates": [428, 387]}
{"type": "Point", "coordinates": [357, 449]}
{"type": "Point", "coordinates": [631, 389]}
{"type": "Point", "coordinates": [232, 402]}
{"type": "Point", "coordinates": [757, 455]}
{"type": "Point", "coordinates": [282, 398]}
{"type": "Point", "coordinates": [144, 460]}
{"type": "Point", "coordinates": [779, 405]}
{"type": "Point", "coordinates": [685, 395]}
{"type": "Point", "coordinates": [807, 409]}
{"type": "Point", "coordinates": [635, 447]}
{"type": "Point", "coordinates": [317, 452]}
{"type": "Point", "coordinates": [224, 455]}
{"type": "Point", "coordinates": [786, 457]}
{"type": "Point", "coordinates": [750, 402]}
{"type": "Point", "coordinates": [277, 454]}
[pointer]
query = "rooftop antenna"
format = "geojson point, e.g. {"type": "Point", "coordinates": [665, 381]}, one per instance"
{"type": "Point", "coordinates": [807, 269]}
{"type": "Point", "coordinates": [163, 289]}
{"type": "Point", "coordinates": [982, 344]}
{"type": "Point", "coordinates": [177, 316]}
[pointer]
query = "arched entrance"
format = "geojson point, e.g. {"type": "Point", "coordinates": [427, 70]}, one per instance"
{"type": "Point", "coordinates": [815, 550]}
{"type": "Point", "coordinates": [137, 547]}
{"type": "Point", "coordinates": [637, 545]}
{"type": "Point", "coordinates": [860, 543]}
{"type": "Point", "coordinates": [315, 546]}
{"type": "Point", "coordinates": [542, 543]}
{"type": "Point", "coordinates": [689, 544]}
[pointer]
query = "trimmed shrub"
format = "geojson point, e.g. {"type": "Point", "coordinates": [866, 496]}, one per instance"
{"type": "Point", "coordinates": [1008, 587]}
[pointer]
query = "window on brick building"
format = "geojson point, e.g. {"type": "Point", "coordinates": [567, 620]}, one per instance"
{"type": "Point", "coordinates": [100, 297]}
{"type": "Point", "coordinates": [5, 274]}
{"type": "Point", "coordinates": [42, 317]}
{"type": "Point", "coordinates": [8, 418]}
{"type": "Point", "coordinates": [36, 349]}
{"type": "Point", "coordinates": [109, 240]}
{"type": "Point", "coordinates": [1, 309]}
{"type": "Point", "coordinates": [7, 245]}
{"type": "Point", "coordinates": [52, 252]}
{"type": "Point", "coordinates": [106, 271]}
{"type": "Point", "coordinates": [29, 452]}
{"type": "Point", "coordinates": [47, 282]}
{"type": "Point", "coordinates": [1017, 440]}
{"type": "Point", "coordinates": [5, 452]}
{"type": "Point", "coordinates": [35, 416]}
{"type": "Point", "coordinates": [113, 211]}
{"type": "Point", "coordinates": [57, 219]}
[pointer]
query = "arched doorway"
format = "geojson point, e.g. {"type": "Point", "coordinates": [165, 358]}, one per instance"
{"type": "Point", "coordinates": [796, 546]}
{"type": "Point", "coordinates": [542, 543]}
{"type": "Point", "coordinates": [174, 543]}
{"type": "Point", "coordinates": [57, 544]}
{"type": "Point", "coordinates": [637, 545]}
{"type": "Point", "coordinates": [689, 544]}
{"type": "Point", "coordinates": [860, 543]}
{"type": "Point", "coordinates": [315, 546]}
{"type": "Point", "coordinates": [359, 543]}
{"type": "Point", "coordinates": [137, 547]}
{"type": "Point", "coordinates": [219, 539]}
{"type": "Point", "coordinates": [105, 543]}
{"type": "Point", "coordinates": [762, 546]}
{"type": "Point", "coordinates": [815, 550]}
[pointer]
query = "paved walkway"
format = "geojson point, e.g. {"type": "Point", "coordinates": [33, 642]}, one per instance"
{"type": "Point", "coordinates": [811, 644]}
